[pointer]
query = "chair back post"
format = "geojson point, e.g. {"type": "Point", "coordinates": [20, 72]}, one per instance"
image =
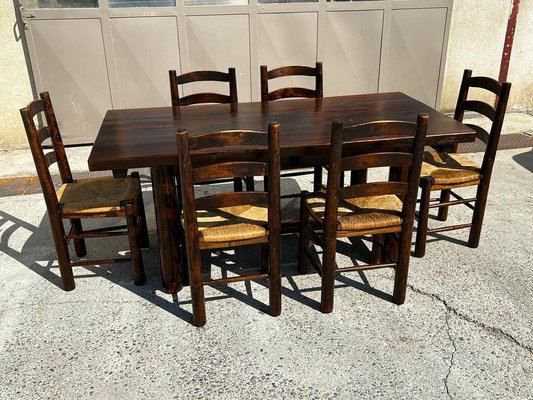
{"type": "Point", "coordinates": [495, 131]}
{"type": "Point", "coordinates": [463, 95]}
{"type": "Point", "coordinates": [264, 83]}
{"type": "Point", "coordinates": [319, 81]}
{"type": "Point", "coordinates": [57, 141]}
{"type": "Point", "coordinates": [41, 163]}
{"type": "Point", "coordinates": [409, 204]}
{"type": "Point", "coordinates": [174, 93]}
{"type": "Point", "coordinates": [274, 206]}
{"type": "Point", "coordinates": [232, 86]}
{"type": "Point", "coordinates": [334, 173]}
{"type": "Point", "coordinates": [187, 187]}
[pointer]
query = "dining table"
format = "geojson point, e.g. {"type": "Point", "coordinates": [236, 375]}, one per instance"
{"type": "Point", "coordinates": [146, 137]}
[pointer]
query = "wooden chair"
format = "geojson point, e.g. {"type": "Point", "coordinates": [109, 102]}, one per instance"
{"type": "Point", "coordinates": [234, 218]}
{"type": "Point", "coordinates": [74, 200]}
{"type": "Point", "coordinates": [207, 97]}
{"type": "Point", "coordinates": [288, 92]}
{"type": "Point", "coordinates": [445, 171]}
{"type": "Point", "coordinates": [374, 208]}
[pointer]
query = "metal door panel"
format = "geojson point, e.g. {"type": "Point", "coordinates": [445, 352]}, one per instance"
{"type": "Point", "coordinates": [72, 67]}
{"type": "Point", "coordinates": [352, 53]}
{"type": "Point", "coordinates": [217, 42]}
{"type": "Point", "coordinates": [288, 39]}
{"type": "Point", "coordinates": [145, 50]}
{"type": "Point", "coordinates": [415, 51]}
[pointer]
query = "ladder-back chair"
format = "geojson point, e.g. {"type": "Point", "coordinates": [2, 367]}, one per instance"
{"type": "Point", "coordinates": [76, 199]}
{"type": "Point", "coordinates": [231, 219]}
{"type": "Point", "coordinates": [375, 208]}
{"type": "Point", "coordinates": [207, 97]}
{"type": "Point", "coordinates": [290, 92]}
{"type": "Point", "coordinates": [445, 171]}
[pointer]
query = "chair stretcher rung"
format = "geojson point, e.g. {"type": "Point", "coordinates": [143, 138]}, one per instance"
{"type": "Point", "coordinates": [365, 267]}
{"type": "Point", "coordinates": [223, 281]}
{"type": "Point", "coordinates": [99, 261]}
{"type": "Point", "coordinates": [449, 228]}
{"type": "Point", "coordinates": [454, 202]}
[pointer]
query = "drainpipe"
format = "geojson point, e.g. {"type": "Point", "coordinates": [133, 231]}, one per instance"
{"type": "Point", "coordinates": [508, 44]}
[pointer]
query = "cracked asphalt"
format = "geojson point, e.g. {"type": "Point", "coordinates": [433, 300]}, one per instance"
{"type": "Point", "coordinates": [464, 332]}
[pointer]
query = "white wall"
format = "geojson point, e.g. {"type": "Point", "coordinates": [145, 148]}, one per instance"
{"type": "Point", "coordinates": [477, 35]}
{"type": "Point", "coordinates": [476, 40]}
{"type": "Point", "coordinates": [15, 89]}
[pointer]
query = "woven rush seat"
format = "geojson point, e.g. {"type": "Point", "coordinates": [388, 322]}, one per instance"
{"type": "Point", "coordinates": [450, 169]}
{"type": "Point", "coordinates": [361, 213]}
{"type": "Point", "coordinates": [96, 195]}
{"type": "Point", "coordinates": [232, 223]}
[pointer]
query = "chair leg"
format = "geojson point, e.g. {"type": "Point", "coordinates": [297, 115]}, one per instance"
{"type": "Point", "coordinates": [423, 216]}
{"type": "Point", "coordinates": [264, 258]}
{"type": "Point", "coordinates": [275, 275]}
{"type": "Point", "coordinates": [197, 286]}
{"type": "Point", "coordinates": [377, 243]}
{"type": "Point", "coordinates": [328, 274]}
{"type": "Point", "coordinates": [303, 237]}
{"type": "Point", "coordinates": [402, 268]}
{"type": "Point", "coordinates": [145, 241]}
{"type": "Point", "coordinates": [134, 237]}
{"type": "Point", "coordinates": [79, 244]}
{"type": "Point", "coordinates": [317, 179]}
{"type": "Point", "coordinates": [250, 184]}
{"type": "Point", "coordinates": [479, 213]}
{"type": "Point", "coordinates": [443, 211]}
{"type": "Point", "coordinates": [63, 257]}
{"type": "Point", "coordinates": [237, 184]}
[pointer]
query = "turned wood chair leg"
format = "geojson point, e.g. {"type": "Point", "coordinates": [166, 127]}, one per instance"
{"type": "Point", "coordinates": [197, 286]}
{"type": "Point", "coordinates": [139, 207]}
{"type": "Point", "coordinates": [317, 179]}
{"type": "Point", "coordinates": [264, 258]}
{"type": "Point", "coordinates": [250, 184]}
{"type": "Point", "coordinates": [479, 213]}
{"type": "Point", "coordinates": [63, 257]}
{"type": "Point", "coordinates": [443, 211]}
{"type": "Point", "coordinates": [275, 276]}
{"type": "Point", "coordinates": [134, 238]}
{"type": "Point", "coordinates": [378, 241]}
{"type": "Point", "coordinates": [328, 274]}
{"type": "Point", "coordinates": [303, 238]}
{"type": "Point", "coordinates": [79, 244]}
{"type": "Point", "coordinates": [400, 276]}
{"type": "Point", "coordinates": [423, 216]}
{"type": "Point", "coordinates": [237, 184]}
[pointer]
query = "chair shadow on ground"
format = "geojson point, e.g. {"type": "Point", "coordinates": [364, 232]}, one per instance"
{"type": "Point", "coordinates": [525, 159]}
{"type": "Point", "coordinates": [33, 247]}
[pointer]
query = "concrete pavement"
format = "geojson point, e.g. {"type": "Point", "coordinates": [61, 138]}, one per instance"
{"type": "Point", "coordinates": [464, 332]}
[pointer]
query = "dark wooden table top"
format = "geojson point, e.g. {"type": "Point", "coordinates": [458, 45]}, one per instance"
{"type": "Point", "coordinates": [145, 137]}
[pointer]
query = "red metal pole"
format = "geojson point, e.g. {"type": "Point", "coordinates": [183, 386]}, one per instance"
{"type": "Point", "coordinates": [508, 44]}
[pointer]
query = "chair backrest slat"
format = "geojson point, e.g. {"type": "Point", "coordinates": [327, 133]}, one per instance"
{"type": "Point", "coordinates": [486, 83]}
{"type": "Point", "coordinates": [50, 158]}
{"type": "Point", "coordinates": [481, 133]}
{"type": "Point", "coordinates": [206, 97]}
{"type": "Point", "coordinates": [480, 107]}
{"type": "Point", "coordinates": [43, 134]}
{"type": "Point", "coordinates": [373, 189]}
{"type": "Point", "coordinates": [231, 199]}
{"type": "Point", "coordinates": [229, 170]}
{"type": "Point", "coordinates": [228, 138]}
{"type": "Point", "coordinates": [290, 92]}
{"type": "Point", "coordinates": [384, 159]}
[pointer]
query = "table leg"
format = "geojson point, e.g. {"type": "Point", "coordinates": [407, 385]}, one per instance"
{"type": "Point", "coordinates": [167, 219]}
